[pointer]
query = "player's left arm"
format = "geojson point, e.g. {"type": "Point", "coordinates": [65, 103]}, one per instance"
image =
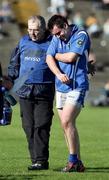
{"type": "Point", "coordinates": [77, 47]}
{"type": "Point", "coordinates": [68, 57]}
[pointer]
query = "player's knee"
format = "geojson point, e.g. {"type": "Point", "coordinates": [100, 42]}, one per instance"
{"type": "Point", "coordinates": [65, 124]}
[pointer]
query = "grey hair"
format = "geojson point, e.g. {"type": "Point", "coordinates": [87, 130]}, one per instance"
{"type": "Point", "coordinates": [39, 18]}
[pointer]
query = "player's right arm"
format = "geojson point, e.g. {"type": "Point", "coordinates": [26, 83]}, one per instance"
{"type": "Point", "coordinates": [54, 68]}
{"type": "Point", "coordinates": [52, 64]}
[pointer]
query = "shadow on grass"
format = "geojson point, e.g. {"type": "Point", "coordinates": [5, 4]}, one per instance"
{"type": "Point", "coordinates": [59, 169]}
{"type": "Point", "coordinates": [97, 169]}
{"type": "Point", "coordinates": [90, 169]}
{"type": "Point", "coordinates": [20, 177]}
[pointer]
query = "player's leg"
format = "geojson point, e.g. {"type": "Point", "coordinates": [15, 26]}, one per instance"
{"type": "Point", "coordinates": [68, 117]}
{"type": "Point", "coordinates": [68, 121]}
{"type": "Point", "coordinates": [67, 113]}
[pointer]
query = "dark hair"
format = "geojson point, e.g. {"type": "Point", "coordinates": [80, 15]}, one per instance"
{"type": "Point", "coordinates": [57, 20]}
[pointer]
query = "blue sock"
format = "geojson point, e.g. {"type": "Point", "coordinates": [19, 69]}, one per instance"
{"type": "Point", "coordinates": [73, 158]}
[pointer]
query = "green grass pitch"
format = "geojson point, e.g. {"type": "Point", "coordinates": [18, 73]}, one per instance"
{"type": "Point", "coordinates": [93, 126]}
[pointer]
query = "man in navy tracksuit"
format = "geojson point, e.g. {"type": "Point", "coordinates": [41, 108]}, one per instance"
{"type": "Point", "coordinates": [37, 93]}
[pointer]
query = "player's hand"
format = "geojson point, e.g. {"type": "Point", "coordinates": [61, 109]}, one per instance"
{"type": "Point", "coordinates": [63, 78]}
{"type": "Point", "coordinates": [91, 67]}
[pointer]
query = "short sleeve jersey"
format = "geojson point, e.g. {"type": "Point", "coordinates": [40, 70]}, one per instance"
{"type": "Point", "coordinates": [78, 43]}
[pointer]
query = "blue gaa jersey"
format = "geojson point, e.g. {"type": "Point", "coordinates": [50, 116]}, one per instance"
{"type": "Point", "coordinates": [33, 56]}
{"type": "Point", "coordinates": [79, 43]}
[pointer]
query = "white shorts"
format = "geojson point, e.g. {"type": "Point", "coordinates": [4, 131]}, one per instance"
{"type": "Point", "coordinates": [75, 97]}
